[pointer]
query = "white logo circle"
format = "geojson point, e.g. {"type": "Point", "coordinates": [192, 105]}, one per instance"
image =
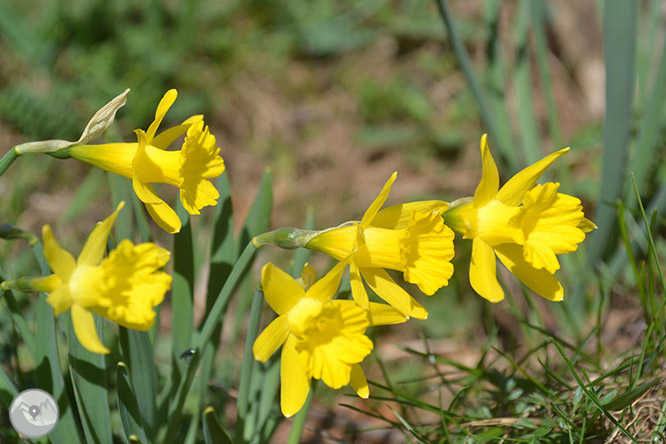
{"type": "Point", "coordinates": [33, 413]}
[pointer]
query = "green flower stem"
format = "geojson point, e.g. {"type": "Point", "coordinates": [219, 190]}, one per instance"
{"type": "Point", "coordinates": [299, 419]}
{"type": "Point", "coordinates": [7, 160]}
{"type": "Point", "coordinates": [216, 311]}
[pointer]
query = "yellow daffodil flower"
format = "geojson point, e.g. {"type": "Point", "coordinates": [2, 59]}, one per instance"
{"type": "Point", "coordinates": [123, 287]}
{"type": "Point", "coordinates": [321, 338]}
{"type": "Point", "coordinates": [524, 224]}
{"type": "Point", "coordinates": [147, 161]}
{"type": "Point", "coordinates": [409, 237]}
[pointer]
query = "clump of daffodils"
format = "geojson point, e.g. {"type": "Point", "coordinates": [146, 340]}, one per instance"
{"type": "Point", "coordinates": [524, 224]}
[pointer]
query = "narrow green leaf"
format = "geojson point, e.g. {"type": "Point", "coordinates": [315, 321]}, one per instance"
{"type": "Point", "coordinates": [268, 395]}
{"type": "Point", "coordinates": [628, 397]}
{"type": "Point", "coordinates": [648, 137]}
{"type": "Point", "coordinates": [88, 373]}
{"type": "Point", "coordinates": [494, 77]}
{"type": "Point", "coordinates": [590, 395]}
{"type": "Point", "coordinates": [8, 390]}
{"type": "Point", "coordinates": [213, 431]}
{"type": "Point", "coordinates": [620, 35]}
{"type": "Point", "coordinates": [222, 257]}
{"type": "Point", "coordinates": [48, 371]}
{"type": "Point", "coordinates": [19, 320]}
{"type": "Point", "coordinates": [222, 251]}
{"type": "Point", "coordinates": [497, 133]}
{"type": "Point", "coordinates": [49, 377]}
{"type": "Point", "coordinates": [245, 430]}
{"type": "Point", "coordinates": [539, 19]}
{"type": "Point", "coordinates": [130, 415]}
{"type": "Point", "coordinates": [216, 312]}
{"type": "Point", "coordinates": [529, 132]}
{"type": "Point", "coordinates": [137, 352]}
{"type": "Point", "coordinates": [259, 217]}
{"type": "Point", "coordinates": [182, 293]}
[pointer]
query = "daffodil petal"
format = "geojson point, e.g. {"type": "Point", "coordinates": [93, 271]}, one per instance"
{"type": "Point", "coordinates": [359, 293]}
{"type": "Point", "coordinates": [95, 247]}
{"type": "Point", "coordinates": [489, 183]}
{"type": "Point", "coordinates": [539, 280]}
{"type": "Point", "coordinates": [374, 207]}
{"type": "Point", "coordinates": [295, 383]}
{"type": "Point", "coordinates": [60, 300]}
{"type": "Point", "coordinates": [325, 288]}
{"type": "Point", "coordinates": [84, 327]}
{"type": "Point", "coordinates": [271, 339]}
{"type": "Point", "coordinates": [397, 217]}
{"type": "Point", "coordinates": [514, 190]}
{"type": "Point", "coordinates": [308, 276]}
{"type": "Point", "coordinates": [358, 381]}
{"type": "Point", "coordinates": [482, 272]}
{"type": "Point", "coordinates": [168, 136]}
{"type": "Point", "coordinates": [164, 216]}
{"type": "Point", "coordinates": [61, 262]}
{"type": "Point", "coordinates": [144, 191]}
{"type": "Point", "coordinates": [160, 112]}
{"type": "Point", "coordinates": [281, 291]}
{"type": "Point", "coordinates": [383, 314]}
{"type": "Point", "coordinates": [386, 288]}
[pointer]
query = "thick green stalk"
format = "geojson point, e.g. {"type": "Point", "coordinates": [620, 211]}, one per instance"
{"type": "Point", "coordinates": [7, 160]}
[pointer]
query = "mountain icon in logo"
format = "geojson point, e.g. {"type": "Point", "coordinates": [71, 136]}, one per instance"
{"type": "Point", "coordinates": [33, 413]}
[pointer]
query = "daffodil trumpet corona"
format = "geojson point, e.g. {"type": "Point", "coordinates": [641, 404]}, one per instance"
{"type": "Point", "coordinates": [411, 238]}
{"type": "Point", "coordinates": [123, 287]}
{"type": "Point", "coordinates": [524, 224]}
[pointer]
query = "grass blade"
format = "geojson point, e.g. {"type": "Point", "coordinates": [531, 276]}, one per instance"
{"type": "Point", "coordinates": [591, 396]}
